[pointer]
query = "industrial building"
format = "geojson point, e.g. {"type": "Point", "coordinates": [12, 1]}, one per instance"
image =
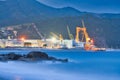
{"type": "Point", "coordinates": [49, 43]}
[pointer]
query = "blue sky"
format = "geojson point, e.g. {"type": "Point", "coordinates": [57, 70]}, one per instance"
{"type": "Point", "coordinates": [98, 6]}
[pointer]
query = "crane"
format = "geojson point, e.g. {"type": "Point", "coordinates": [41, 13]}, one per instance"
{"type": "Point", "coordinates": [34, 26]}
{"type": "Point", "coordinates": [78, 29]}
{"type": "Point", "coordinates": [70, 35]}
{"type": "Point", "coordinates": [60, 37]}
{"type": "Point", "coordinates": [83, 25]}
{"type": "Point", "coordinates": [89, 43]}
{"type": "Point", "coordinates": [84, 32]}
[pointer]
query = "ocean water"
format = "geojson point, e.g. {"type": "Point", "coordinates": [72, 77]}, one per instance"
{"type": "Point", "coordinates": [82, 65]}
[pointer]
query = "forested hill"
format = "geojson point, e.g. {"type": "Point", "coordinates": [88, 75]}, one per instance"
{"type": "Point", "coordinates": [104, 28]}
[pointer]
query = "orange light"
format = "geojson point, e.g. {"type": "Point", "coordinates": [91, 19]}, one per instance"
{"type": "Point", "coordinates": [92, 41]}
{"type": "Point", "coordinates": [88, 39]}
{"type": "Point", "coordinates": [22, 39]}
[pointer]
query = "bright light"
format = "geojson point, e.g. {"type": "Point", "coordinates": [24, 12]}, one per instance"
{"type": "Point", "coordinates": [53, 39]}
{"type": "Point", "coordinates": [88, 39]}
{"type": "Point", "coordinates": [22, 38]}
{"type": "Point", "coordinates": [92, 41]}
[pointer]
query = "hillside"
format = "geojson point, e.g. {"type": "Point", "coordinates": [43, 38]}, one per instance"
{"type": "Point", "coordinates": [104, 28]}
{"type": "Point", "coordinates": [22, 11]}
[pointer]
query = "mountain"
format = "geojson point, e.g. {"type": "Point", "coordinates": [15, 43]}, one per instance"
{"type": "Point", "coordinates": [22, 11]}
{"type": "Point", "coordinates": [104, 28]}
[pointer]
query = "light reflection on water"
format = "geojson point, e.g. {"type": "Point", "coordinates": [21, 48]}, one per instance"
{"type": "Point", "coordinates": [82, 66]}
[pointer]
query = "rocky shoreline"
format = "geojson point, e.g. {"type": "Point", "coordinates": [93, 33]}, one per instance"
{"type": "Point", "coordinates": [30, 57]}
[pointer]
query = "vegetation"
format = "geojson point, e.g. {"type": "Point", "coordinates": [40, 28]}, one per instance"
{"type": "Point", "coordinates": [104, 28]}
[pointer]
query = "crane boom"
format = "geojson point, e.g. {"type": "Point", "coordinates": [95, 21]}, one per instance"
{"type": "Point", "coordinates": [60, 37]}
{"type": "Point", "coordinates": [83, 24]}
{"type": "Point", "coordinates": [34, 26]}
{"type": "Point", "coordinates": [70, 35]}
{"type": "Point", "coordinates": [56, 36]}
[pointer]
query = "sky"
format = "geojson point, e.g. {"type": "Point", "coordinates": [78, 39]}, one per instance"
{"type": "Point", "coordinates": [97, 6]}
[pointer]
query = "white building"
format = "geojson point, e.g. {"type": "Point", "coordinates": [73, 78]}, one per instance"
{"type": "Point", "coordinates": [14, 43]}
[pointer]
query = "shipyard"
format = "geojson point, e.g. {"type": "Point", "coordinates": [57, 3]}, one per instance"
{"type": "Point", "coordinates": [54, 42]}
{"type": "Point", "coordinates": [59, 39]}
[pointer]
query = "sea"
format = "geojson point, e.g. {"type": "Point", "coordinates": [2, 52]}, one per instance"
{"type": "Point", "coordinates": [82, 65]}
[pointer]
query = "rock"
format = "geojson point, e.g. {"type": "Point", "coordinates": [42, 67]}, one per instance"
{"type": "Point", "coordinates": [54, 59]}
{"type": "Point", "coordinates": [51, 58]}
{"type": "Point", "coordinates": [37, 55]}
{"type": "Point", "coordinates": [9, 56]}
{"type": "Point", "coordinates": [63, 60]}
{"type": "Point", "coordinates": [24, 59]}
{"type": "Point", "coordinates": [13, 56]}
{"type": "Point", "coordinates": [2, 54]}
{"type": "Point", "coordinates": [31, 56]}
